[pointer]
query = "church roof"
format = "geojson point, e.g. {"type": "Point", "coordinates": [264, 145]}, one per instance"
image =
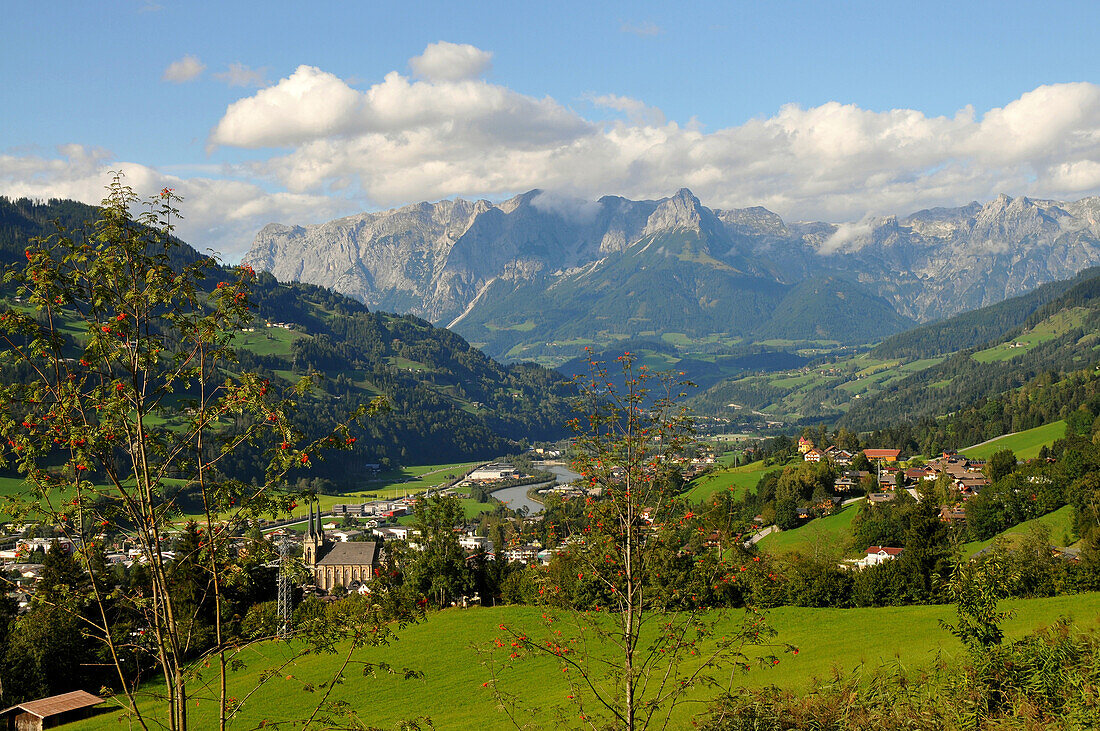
{"type": "Point", "coordinates": [350, 554]}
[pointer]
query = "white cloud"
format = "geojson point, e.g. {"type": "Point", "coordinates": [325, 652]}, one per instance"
{"type": "Point", "coordinates": [221, 215]}
{"type": "Point", "coordinates": [405, 139]}
{"type": "Point", "coordinates": [185, 69]}
{"type": "Point", "coordinates": [237, 74]}
{"type": "Point", "coordinates": [635, 110]}
{"type": "Point", "coordinates": [569, 207]}
{"type": "Point", "coordinates": [849, 237]}
{"type": "Point", "coordinates": [402, 140]}
{"type": "Point", "coordinates": [642, 30]}
{"type": "Point", "coordinates": [444, 61]}
{"type": "Point", "coordinates": [309, 103]}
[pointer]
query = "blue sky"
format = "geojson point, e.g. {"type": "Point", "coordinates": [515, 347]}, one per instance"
{"type": "Point", "coordinates": [817, 110]}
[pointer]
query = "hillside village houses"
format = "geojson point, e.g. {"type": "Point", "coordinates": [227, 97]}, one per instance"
{"type": "Point", "coordinates": [338, 555]}
{"type": "Point", "coordinates": [963, 474]}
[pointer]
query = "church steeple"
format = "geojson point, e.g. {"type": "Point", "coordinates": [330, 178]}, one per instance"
{"type": "Point", "coordinates": [314, 544]}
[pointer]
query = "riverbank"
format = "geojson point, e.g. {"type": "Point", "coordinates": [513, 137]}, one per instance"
{"type": "Point", "coordinates": [520, 497]}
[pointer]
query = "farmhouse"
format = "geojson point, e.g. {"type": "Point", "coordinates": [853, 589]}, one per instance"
{"type": "Point", "coordinates": [886, 455]}
{"type": "Point", "coordinates": [877, 555]}
{"type": "Point", "coordinates": [812, 455]}
{"type": "Point", "coordinates": [839, 457]}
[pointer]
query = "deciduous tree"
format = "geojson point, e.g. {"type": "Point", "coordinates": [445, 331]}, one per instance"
{"type": "Point", "coordinates": [116, 326]}
{"type": "Point", "coordinates": [631, 651]}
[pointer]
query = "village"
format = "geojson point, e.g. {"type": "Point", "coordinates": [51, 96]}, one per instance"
{"type": "Point", "coordinates": [960, 477]}
{"type": "Point", "coordinates": [373, 522]}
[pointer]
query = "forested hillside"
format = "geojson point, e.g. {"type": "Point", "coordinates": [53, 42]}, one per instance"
{"type": "Point", "coordinates": [448, 401]}
{"type": "Point", "coordinates": [976, 327]}
{"type": "Point", "coordinates": [1061, 336]}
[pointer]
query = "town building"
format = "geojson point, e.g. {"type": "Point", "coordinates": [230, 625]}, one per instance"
{"type": "Point", "coordinates": [333, 564]}
{"type": "Point", "coordinates": [494, 472]}
{"type": "Point", "coordinates": [878, 554]}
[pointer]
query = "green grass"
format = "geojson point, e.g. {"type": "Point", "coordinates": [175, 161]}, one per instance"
{"type": "Point", "coordinates": [1049, 329]}
{"type": "Point", "coordinates": [829, 531]}
{"type": "Point", "coordinates": [397, 483]}
{"type": "Point", "coordinates": [268, 341]}
{"type": "Point", "coordinates": [472, 508]}
{"type": "Point", "coordinates": [678, 339]}
{"type": "Point", "coordinates": [1060, 523]}
{"type": "Point", "coordinates": [740, 479]}
{"type": "Point", "coordinates": [796, 381]}
{"type": "Point", "coordinates": [398, 362]}
{"type": "Point", "coordinates": [1025, 444]}
{"type": "Point", "coordinates": [452, 695]}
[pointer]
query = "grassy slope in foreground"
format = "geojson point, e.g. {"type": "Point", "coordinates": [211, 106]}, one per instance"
{"type": "Point", "coordinates": [452, 695]}
{"type": "Point", "coordinates": [1025, 444]}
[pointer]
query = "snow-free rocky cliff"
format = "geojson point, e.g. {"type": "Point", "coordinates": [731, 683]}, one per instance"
{"type": "Point", "coordinates": [518, 265]}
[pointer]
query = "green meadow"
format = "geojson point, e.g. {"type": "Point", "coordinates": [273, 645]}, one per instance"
{"type": "Point", "coordinates": [1060, 522]}
{"type": "Point", "coordinates": [830, 531]}
{"type": "Point", "coordinates": [1053, 327]}
{"type": "Point", "coordinates": [392, 484]}
{"type": "Point", "coordinates": [740, 479]}
{"type": "Point", "coordinates": [1025, 444]}
{"type": "Point", "coordinates": [453, 690]}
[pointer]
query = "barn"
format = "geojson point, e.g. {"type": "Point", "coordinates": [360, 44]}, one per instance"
{"type": "Point", "coordinates": [49, 712]}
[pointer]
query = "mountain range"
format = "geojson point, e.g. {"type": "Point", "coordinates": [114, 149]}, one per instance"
{"type": "Point", "coordinates": [538, 275]}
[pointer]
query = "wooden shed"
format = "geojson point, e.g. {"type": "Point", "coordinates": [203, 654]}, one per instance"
{"type": "Point", "coordinates": [49, 712]}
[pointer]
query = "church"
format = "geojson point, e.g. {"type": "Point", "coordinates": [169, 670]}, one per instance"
{"type": "Point", "coordinates": [335, 563]}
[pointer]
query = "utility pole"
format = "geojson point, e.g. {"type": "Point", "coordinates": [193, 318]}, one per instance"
{"type": "Point", "coordinates": [286, 600]}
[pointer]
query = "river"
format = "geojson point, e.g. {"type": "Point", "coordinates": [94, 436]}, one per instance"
{"type": "Point", "coordinates": [516, 497]}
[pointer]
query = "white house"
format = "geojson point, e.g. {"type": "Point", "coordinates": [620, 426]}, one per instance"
{"type": "Point", "coordinates": [876, 555]}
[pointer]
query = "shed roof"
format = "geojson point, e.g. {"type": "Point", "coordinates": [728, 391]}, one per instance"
{"type": "Point", "coordinates": [45, 707]}
{"type": "Point", "coordinates": [350, 554]}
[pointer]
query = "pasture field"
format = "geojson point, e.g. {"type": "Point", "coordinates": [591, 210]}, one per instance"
{"type": "Point", "coordinates": [1060, 523]}
{"type": "Point", "coordinates": [847, 378]}
{"type": "Point", "coordinates": [741, 479]}
{"type": "Point", "coordinates": [1025, 444]}
{"type": "Point", "coordinates": [471, 509]}
{"type": "Point", "coordinates": [452, 691]}
{"type": "Point", "coordinates": [828, 532]}
{"type": "Point", "coordinates": [1053, 327]}
{"type": "Point", "coordinates": [268, 341]}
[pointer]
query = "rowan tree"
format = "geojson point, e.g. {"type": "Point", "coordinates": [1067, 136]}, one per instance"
{"type": "Point", "coordinates": [631, 646]}
{"type": "Point", "coordinates": [112, 328]}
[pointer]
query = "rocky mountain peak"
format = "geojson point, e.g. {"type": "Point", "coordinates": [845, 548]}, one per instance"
{"type": "Point", "coordinates": [681, 211]}
{"type": "Point", "coordinates": [464, 259]}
